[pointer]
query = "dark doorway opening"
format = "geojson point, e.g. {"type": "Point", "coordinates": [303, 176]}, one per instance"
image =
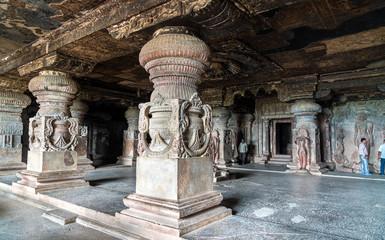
{"type": "Point", "coordinates": [283, 138]}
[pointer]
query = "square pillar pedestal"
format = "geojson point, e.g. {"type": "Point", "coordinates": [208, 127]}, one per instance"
{"type": "Point", "coordinates": [176, 202]}
{"type": "Point", "coordinates": [42, 174]}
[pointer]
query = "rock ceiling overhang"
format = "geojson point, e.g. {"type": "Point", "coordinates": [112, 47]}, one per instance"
{"type": "Point", "coordinates": [253, 42]}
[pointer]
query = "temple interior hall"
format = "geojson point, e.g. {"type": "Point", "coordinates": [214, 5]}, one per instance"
{"type": "Point", "coordinates": [192, 119]}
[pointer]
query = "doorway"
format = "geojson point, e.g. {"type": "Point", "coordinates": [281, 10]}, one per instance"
{"type": "Point", "coordinates": [283, 138]}
{"type": "Point", "coordinates": [281, 141]}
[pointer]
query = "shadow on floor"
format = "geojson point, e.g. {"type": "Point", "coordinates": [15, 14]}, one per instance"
{"type": "Point", "coordinates": [230, 203]}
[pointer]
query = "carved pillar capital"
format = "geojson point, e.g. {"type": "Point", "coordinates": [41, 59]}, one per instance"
{"type": "Point", "coordinates": [78, 110]}
{"type": "Point", "coordinates": [306, 110]}
{"type": "Point", "coordinates": [11, 130]}
{"type": "Point", "coordinates": [220, 117]}
{"type": "Point", "coordinates": [54, 91]}
{"type": "Point", "coordinates": [12, 103]}
{"type": "Point", "coordinates": [176, 60]}
{"type": "Point", "coordinates": [132, 117]}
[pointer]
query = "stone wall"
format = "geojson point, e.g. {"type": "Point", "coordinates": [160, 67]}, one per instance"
{"type": "Point", "coordinates": [346, 128]}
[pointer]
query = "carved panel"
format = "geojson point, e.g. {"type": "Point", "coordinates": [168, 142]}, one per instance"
{"type": "Point", "coordinates": [234, 58]}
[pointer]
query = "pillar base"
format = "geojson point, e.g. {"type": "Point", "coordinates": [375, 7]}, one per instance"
{"type": "Point", "coordinates": [12, 168]}
{"type": "Point", "coordinates": [85, 164]}
{"type": "Point", "coordinates": [173, 218]}
{"type": "Point", "coordinates": [314, 169]}
{"type": "Point", "coordinates": [35, 182]}
{"type": "Point", "coordinates": [220, 174]}
{"type": "Point", "coordinates": [129, 161]}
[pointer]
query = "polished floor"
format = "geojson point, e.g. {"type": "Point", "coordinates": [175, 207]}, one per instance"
{"type": "Point", "coordinates": [267, 203]}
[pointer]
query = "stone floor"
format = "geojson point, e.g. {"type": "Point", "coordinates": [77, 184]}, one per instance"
{"type": "Point", "coordinates": [267, 203]}
{"type": "Point", "coordinates": [22, 221]}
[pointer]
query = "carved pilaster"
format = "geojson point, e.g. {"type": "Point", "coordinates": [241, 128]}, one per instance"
{"type": "Point", "coordinates": [266, 140]}
{"type": "Point", "coordinates": [78, 111]}
{"type": "Point", "coordinates": [11, 131]}
{"type": "Point", "coordinates": [306, 139]}
{"type": "Point", "coordinates": [130, 138]}
{"type": "Point", "coordinates": [174, 171]}
{"type": "Point", "coordinates": [52, 136]}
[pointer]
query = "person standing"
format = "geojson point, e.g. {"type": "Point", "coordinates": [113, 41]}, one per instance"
{"type": "Point", "coordinates": [242, 151]}
{"type": "Point", "coordinates": [381, 156]}
{"type": "Point", "coordinates": [363, 152]}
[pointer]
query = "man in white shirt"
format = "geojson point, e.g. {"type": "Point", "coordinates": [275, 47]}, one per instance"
{"type": "Point", "coordinates": [363, 152]}
{"type": "Point", "coordinates": [242, 151]}
{"type": "Point", "coordinates": [381, 155]}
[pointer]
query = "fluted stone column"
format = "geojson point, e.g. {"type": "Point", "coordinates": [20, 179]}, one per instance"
{"type": "Point", "coordinates": [174, 181]}
{"type": "Point", "coordinates": [78, 111]}
{"type": "Point", "coordinates": [130, 138]}
{"type": "Point", "coordinates": [11, 131]}
{"type": "Point", "coordinates": [306, 140]}
{"type": "Point", "coordinates": [52, 159]}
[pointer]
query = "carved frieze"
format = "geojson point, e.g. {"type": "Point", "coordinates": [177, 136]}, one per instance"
{"type": "Point", "coordinates": [155, 16]}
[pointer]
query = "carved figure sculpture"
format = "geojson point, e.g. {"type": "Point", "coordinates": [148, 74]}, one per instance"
{"type": "Point", "coordinates": [363, 129]}
{"type": "Point", "coordinates": [303, 155]}
{"type": "Point", "coordinates": [214, 146]}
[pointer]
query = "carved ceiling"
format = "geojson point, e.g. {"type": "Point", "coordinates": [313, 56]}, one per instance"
{"type": "Point", "coordinates": [253, 42]}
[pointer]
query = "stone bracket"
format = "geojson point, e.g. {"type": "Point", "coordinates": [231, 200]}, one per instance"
{"type": "Point", "coordinates": [300, 87]}
{"type": "Point", "coordinates": [59, 62]}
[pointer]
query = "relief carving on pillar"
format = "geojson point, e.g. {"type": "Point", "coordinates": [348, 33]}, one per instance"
{"type": "Point", "coordinates": [188, 131]}
{"type": "Point", "coordinates": [363, 129]}
{"type": "Point", "coordinates": [303, 149]}
{"type": "Point", "coordinates": [57, 133]}
{"type": "Point", "coordinates": [342, 162]}
{"type": "Point", "coordinates": [214, 147]}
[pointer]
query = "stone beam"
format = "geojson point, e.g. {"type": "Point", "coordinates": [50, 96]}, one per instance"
{"type": "Point", "coordinates": [356, 79]}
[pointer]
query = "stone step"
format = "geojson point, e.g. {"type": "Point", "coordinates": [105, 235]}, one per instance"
{"type": "Point", "coordinates": [115, 232]}
{"type": "Point", "coordinates": [60, 216]}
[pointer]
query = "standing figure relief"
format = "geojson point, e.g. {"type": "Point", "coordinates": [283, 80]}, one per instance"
{"type": "Point", "coordinates": [363, 129]}
{"type": "Point", "coordinates": [303, 151]}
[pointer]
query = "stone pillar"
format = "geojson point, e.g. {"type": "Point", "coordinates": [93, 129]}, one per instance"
{"type": "Point", "coordinates": [247, 120]}
{"type": "Point", "coordinates": [174, 181]}
{"type": "Point", "coordinates": [221, 145]}
{"type": "Point", "coordinates": [78, 111]}
{"type": "Point", "coordinates": [306, 140]}
{"type": "Point", "coordinates": [11, 131]}
{"type": "Point", "coordinates": [266, 140]}
{"type": "Point", "coordinates": [220, 117]}
{"type": "Point", "coordinates": [130, 138]}
{"type": "Point", "coordinates": [52, 159]}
